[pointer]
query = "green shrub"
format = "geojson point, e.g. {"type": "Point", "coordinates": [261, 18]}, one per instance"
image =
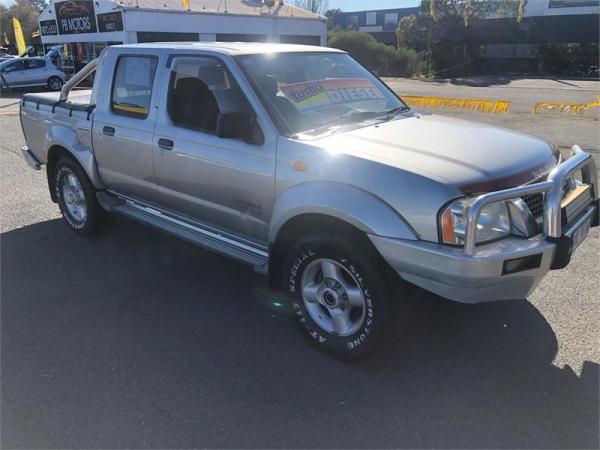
{"type": "Point", "coordinates": [383, 59]}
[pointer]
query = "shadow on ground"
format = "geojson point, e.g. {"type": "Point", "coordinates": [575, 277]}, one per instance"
{"type": "Point", "coordinates": [138, 340]}
{"type": "Point", "coordinates": [499, 80]}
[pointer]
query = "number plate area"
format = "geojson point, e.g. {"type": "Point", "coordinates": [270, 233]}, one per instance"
{"type": "Point", "coordinates": [581, 233]}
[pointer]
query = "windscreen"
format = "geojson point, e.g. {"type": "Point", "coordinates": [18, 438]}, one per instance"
{"type": "Point", "coordinates": [306, 92]}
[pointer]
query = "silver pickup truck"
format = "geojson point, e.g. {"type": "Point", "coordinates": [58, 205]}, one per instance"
{"type": "Point", "coordinates": [300, 162]}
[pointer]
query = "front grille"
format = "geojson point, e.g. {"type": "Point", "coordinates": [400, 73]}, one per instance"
{"type": "Point", "coordinates": [535, 203]}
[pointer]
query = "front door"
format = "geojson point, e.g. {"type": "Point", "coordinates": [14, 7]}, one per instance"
{"type": "Point", "coordinates": [13, 73]}
{"type": "Point", "coordinates": [227, 183]}
{"type": "Point", "coordinates": [124, 125]}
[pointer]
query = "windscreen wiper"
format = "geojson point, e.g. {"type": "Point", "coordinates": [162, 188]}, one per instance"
{"type": "Point", "coordinates": [348, 118]}
{"type": "Point", "coordinates": [391, 113]}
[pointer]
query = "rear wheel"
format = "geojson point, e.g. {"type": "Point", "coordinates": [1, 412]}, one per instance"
{"type": "Point", "coordinates": [76, 197]}
{"type": "Point", "coordinates": [338, 294]}
{"type": "Point", "coordinates": [55, 83]}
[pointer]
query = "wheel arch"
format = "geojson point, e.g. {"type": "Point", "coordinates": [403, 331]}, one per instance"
{"type": "Point", "coordinates": [87, 162]}
{"type": "Point", "coordinates": [62, 141]}
{"type": "Point", "coordinates": [329, 207]}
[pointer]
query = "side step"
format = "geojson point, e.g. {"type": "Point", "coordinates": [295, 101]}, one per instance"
{"type": "Point", "coordinates": [209, 239]}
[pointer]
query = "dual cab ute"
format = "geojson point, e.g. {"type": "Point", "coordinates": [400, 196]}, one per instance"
{"type": "Point", "coordinates": [298, 161]}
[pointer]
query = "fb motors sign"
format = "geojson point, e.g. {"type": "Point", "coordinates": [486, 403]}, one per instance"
{"type": "Point", "coordinates": [75, 16]}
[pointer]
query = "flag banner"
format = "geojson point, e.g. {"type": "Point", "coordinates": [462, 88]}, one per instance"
{"type": "Point", "coordinates": [19, 40]}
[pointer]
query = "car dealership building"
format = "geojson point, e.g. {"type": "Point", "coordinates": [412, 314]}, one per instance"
{"type": "Point", "coordinates": [85, 27]}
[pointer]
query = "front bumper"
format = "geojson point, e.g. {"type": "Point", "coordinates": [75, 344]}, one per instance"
{"type": "Point", "coordinates": [477, 273]}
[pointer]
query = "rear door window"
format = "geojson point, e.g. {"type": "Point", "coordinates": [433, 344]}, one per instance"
{"type": "Point", "coordinates": [132, 85]}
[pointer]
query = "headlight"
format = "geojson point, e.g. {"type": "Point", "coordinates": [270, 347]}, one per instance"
{"type": "Point", "coordinates": [493, 223]}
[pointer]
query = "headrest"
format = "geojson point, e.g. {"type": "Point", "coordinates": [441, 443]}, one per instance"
{"type": "Point", "coordinates": [268, 85]}
{"type": "Point", "coordinates": [190, 86]}
{"type": "Point", "coordinates": [212, 75]}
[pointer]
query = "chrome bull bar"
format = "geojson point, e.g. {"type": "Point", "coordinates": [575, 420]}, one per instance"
{"type": "Point", "coordinates": [553, 187]}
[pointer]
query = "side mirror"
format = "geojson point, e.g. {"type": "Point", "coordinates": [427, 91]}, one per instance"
{"type": "Point", "coordinates": [236, 125]}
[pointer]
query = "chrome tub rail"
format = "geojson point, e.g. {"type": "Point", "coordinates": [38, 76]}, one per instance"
{"type": "Point", "coordinates": [77, 78]}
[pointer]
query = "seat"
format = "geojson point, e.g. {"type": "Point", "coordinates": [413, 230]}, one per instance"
{"type": "Point", "coordinates": [284, 106]}
{"type": "Point", "coordinates": [194, 105]}
{"type": "Point", "coordinates": [213, 76]}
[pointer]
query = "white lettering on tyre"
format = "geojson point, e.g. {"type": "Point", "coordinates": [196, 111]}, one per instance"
{"type": "Point", "coordinates": [356, 342]}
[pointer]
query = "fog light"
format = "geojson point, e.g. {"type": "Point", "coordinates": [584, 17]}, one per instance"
{"type": "Point", "coordinates": [521, 264]}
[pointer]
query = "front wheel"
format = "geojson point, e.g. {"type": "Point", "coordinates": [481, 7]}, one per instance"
{"type": "Point", "coordinates": [55, 84]}
{"type": "Point", "coordinates": [338, 294]}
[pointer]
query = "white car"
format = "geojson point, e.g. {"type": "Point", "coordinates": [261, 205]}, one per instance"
{"type": "Point", "coordinates": [30, 72]}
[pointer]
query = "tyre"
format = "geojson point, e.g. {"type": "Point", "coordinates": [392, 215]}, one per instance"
{"type": "Point", "coordinates": [55, 83]}
{"type": "Point", "coordinates": [76, 197]}
{"type": "Point", "coordinates": [338, 294]}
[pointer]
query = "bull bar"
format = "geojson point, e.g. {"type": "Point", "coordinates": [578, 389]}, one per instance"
{"type": "Point", "coordinates": [552, 187]}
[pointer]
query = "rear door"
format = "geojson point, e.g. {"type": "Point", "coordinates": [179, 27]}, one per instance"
{"type": "Point", "coordinates": [124, 122]}
{"type": "Point", "coordinates": [224, 182]}
{"type": "Point", "coordinates": [36, 72]}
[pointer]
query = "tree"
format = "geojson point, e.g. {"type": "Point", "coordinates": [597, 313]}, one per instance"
{"type": "Point", "coordinates": [39, 5]}
{"type": "Point", "coordinates": [331, 14]}
{"type": "Point", "coordinates": [440, 30]}
{"type": "Point", "coordinates": [26, 11]}
{"type": "Point", "coordinates": [464, 11]}
{"type": "Point", "coordinates": [412, 31]}
{"type": "Point", "coordinates": [386, 60]}
{"type": "Point", "coordinates": [316, 6]}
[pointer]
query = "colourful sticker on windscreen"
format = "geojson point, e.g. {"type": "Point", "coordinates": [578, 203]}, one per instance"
{"type": "Point", "coordinates": [313, 95]}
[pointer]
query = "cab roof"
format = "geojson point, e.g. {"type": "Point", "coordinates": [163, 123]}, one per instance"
{"type": "Point", "coordinates": [232, 48]}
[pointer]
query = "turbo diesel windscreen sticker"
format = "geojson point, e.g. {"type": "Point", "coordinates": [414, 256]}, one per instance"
{"type": "Point", "coordinates": [313, 95]}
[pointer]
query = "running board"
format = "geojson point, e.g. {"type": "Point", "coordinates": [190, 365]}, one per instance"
{"type": "Point", "coordinates": [208, 239]}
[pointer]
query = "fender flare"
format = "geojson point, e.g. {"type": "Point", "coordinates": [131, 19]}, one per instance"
{"type": "Point", "coordinates": [64, 137]}
{"type": "Point", "coordinates": [350, 204]}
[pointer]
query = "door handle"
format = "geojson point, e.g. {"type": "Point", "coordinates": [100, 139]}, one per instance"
{"type": "Point", "coordinates": [109, 131]}
{"type": "Point", "coordinates": [165, 144]}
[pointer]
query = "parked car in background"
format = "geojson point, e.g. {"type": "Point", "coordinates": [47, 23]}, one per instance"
{"type": "Point", "coordinates": [31, 72]}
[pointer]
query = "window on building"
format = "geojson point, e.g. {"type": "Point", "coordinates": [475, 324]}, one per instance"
{"type": "Point", "coordinates": [132, 85]}
{"type": "Point", "coordinates": [157, 36]}
{"type": "Point", "coordinates": [231, 37]}
{"type": "Point", "coordinates": [371, 19]}
{"type": "Point", "coordinates": [199, 89]}
{"type": "Point", "coordinates": [300, 39]}
{"type": "Point", "coordinates": [390, 22]}
{"type": "Point", "coordinates": [352, 23]}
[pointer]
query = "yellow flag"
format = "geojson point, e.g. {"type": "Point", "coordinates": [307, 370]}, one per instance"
{"type": "Point", "coordinates": [19, 36]}
{"type": "Point", "coordinates": [186, 4]}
